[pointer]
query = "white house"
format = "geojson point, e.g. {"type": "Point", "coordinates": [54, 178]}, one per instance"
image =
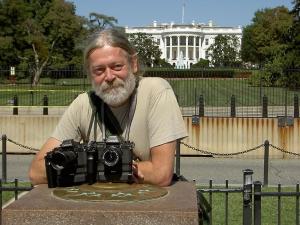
{"type": "Point", "coordinates": [185, 44]}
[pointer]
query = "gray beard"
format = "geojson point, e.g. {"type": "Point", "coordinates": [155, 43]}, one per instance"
{"type": "Point", "coordinates": [116, 93]}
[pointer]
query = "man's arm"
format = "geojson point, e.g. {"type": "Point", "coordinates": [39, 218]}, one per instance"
{"type": "Point", "coordinates": [37, 171]}
{"type": "Point", "coordinates": [160, 168]}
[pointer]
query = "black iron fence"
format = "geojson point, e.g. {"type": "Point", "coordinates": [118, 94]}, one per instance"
{"type": "Point", "coordinates": [250, 202]}
{"type": "Point", "coordinates": [251, 199]}
{"type": "Point", "coordinates": [198, 92]}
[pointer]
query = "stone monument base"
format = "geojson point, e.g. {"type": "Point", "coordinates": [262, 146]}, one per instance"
{"type": "Point", "coordinates": [41, 207]}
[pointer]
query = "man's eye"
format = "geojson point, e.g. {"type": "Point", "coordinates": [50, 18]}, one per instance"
{"type": "Point", "coordinates": [98, 71]}
{"type": "Point", "coordinates": [117, 67]}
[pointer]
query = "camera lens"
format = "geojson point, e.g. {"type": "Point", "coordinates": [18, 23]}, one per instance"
{"type": "Point", "coordinates": [111, 156]}
{"type": "Point", "coordinates": [60, 160]}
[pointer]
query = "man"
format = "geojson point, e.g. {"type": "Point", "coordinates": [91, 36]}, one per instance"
{"type": "Point", "coordinates": [112, 65]}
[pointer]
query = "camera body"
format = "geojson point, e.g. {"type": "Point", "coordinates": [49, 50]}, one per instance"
{"type": "Point", "coordinates": [75, 163]}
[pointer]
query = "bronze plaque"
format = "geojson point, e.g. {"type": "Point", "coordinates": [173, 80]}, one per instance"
{"type": "Point", "coordinates": [115, 192]}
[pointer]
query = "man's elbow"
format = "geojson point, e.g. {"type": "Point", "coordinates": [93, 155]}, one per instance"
{"type": "Point", "coordinates": [165, 180]}
{"type": "Point", "coordinates": [32, 177]}
{"type": "Point", "coordinates": [36, 177]}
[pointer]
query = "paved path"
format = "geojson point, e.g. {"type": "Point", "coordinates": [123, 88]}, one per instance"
{"type": "Point", "coordinates": [285, 172]}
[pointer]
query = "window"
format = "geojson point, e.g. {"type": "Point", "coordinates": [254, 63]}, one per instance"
{"type": "Point", "coordinates": [174, 53]}
{"type": "Point", "coordinates": [197, 53]}
{"type": "Point", "coordinates": [168, 52]}
{"type": "Point", "coordinates": [182, 40]}
{"type": "Point", "coordinates": [168, 41]}
{"type": "Point", "coordinates": [191, 41]}
{"type": "Point", "coordinates": [206, 41]}
{"type": "Point", "coordinates": [197, 41]}
{"type": "Point", "coordinates": [174, 41]}
{"type": "Point", "coordinates": [191, 53]}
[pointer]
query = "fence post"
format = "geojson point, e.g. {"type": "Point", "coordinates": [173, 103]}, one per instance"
{"type": "Point", "coordinates": [257, 203]}
{"type": "Point", "coordinates": [31, 97]}
{"type": "Point", "coordinates": [266, 163]}
{"type": "Point", "coordinates": [1, 201]}
{"type": "Point", "coordinates": [296, 106]}
{"type": "Point", "coordinates": [265, 107]}
{"type": "Point", "coordinates": [45, 103]}
{"type": "Point", "coordinates": [16, 189]}
{"type": "Point", "coordinates": [4, 158]}
{"type": "Point", "coordinates": [232, 106]}
{"type": "Point", "coordinates": [177, 158]}
{"type": "Point", "coordinates": [15, 109]}
{"type": "Point", "coordinates": [297, 204]}
{"type": "Point", "coordinates": [201, 106]}
{"type": "Point", "coordinates": [247, 197]}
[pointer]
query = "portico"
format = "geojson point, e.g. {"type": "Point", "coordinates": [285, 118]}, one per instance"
{"type": "Point", "coordinates": [185, 44]}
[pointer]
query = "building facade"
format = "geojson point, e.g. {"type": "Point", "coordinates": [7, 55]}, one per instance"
{"type": "Point", "coordinates": [185, 44]}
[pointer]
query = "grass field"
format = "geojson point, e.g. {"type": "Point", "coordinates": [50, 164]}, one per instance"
{"type": "Point", "coordinates": [8, 195]}
{"type": "Point", "coordinates": [216, 92]}
{"type": "Point", "coordinates": [268, 206]}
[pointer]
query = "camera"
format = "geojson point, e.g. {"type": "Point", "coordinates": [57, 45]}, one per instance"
{"type": "Point", "coordinates": [74, 163]}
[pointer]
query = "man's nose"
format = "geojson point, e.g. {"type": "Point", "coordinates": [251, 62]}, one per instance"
{"type": "Point", "coordinates": [109, 75]}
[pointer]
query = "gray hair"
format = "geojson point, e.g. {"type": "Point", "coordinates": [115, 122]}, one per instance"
{"type": "Point", "coordinates": [111, 37]}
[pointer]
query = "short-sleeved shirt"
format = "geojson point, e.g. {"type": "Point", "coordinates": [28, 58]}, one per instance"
{"type": "Point", "coordinates": [157, 118]}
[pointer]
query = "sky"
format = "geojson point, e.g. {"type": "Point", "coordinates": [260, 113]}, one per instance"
{"type": "Point", "coordinates": [134, 13]}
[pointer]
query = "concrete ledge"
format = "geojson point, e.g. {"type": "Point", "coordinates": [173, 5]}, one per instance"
{"type": "Point", "coordinates": [40, 207]}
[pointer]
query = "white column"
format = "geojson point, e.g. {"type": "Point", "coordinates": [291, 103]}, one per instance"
{"type": "Point", "coordinates": [171, 48]}
{"type": "Point", "coordinates": [194, 48]}
{"type": "Point", "coordinates": [200, 47]}
{"type": "Point", "coordinates": [186, 48]}
{"type": "Point", "coordinates": [178, 49]}
{"type": "Point", "coordinates": [165, 42]}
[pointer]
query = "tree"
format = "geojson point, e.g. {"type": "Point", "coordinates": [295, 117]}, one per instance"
{"type": "Point", "coordinates": [148, 50]}
{"type": "Point", "coordinates": [224, 51]}
{"type": "Point", "coordinates": [202, 63]}
{"type": "Point", "coordinates": [40, 33]}
{"type": "Point", "coordinates": [294, 37]}
{"type": "Point", "coordinates": [272, 41]}
{"type": "Point", "coordinates": [12, 15]}
{"type": "Point", "coordinates": [265, 39]}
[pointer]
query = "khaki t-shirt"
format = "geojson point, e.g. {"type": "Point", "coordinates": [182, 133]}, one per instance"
{"type": "Point", "coordinates": [157, 118]}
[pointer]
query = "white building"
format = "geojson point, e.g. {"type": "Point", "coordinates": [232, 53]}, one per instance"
{"type": "Point", "coordinates": [185, 44]}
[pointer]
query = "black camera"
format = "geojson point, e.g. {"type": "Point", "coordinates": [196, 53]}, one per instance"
{"type": "Point", "coordinates": [74, 163]}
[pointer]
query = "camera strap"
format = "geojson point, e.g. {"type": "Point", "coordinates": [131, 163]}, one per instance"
{"type": "Point", "coordinates": [105, 118]}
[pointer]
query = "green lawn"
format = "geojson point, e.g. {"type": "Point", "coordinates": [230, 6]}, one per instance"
{"type": "Point", "coordinates": [216, 92]}
{"type": "Point", "coordinates": [8, 195]}
{"type": "Point", "coordinates": [235, 206]}
{"type": "Point", "coordinates": [268, 207]}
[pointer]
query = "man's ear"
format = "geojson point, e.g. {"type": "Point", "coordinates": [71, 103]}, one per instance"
{"type": "Point", "coordinates": [134, 63]}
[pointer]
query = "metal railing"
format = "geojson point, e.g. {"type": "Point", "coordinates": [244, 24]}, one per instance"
{"type": "Point", "coordinates": [204, 96]}
{"type": "Point", "coordinates": [251, 200]}
{"type": "Point", "coordinates": [266, 147]}
{"type": "Point", "coordinates": [252, 211]}
{"type": "Point", "coordinates": [252, 203]}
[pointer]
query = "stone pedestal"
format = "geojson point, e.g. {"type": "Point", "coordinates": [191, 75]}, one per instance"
{"type": "Point", "coordinates": [41, 207]}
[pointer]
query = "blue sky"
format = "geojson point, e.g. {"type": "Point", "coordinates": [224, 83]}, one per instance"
{"type": "Point", "coordinates": [144, 12]}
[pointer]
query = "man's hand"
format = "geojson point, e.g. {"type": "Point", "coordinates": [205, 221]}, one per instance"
{"type": "Point", "coordinates": [159, 169]}
{"type": "Point", "coordinates": [37, 171]}
{"type": "Point", "coordinates": [138, 176]}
